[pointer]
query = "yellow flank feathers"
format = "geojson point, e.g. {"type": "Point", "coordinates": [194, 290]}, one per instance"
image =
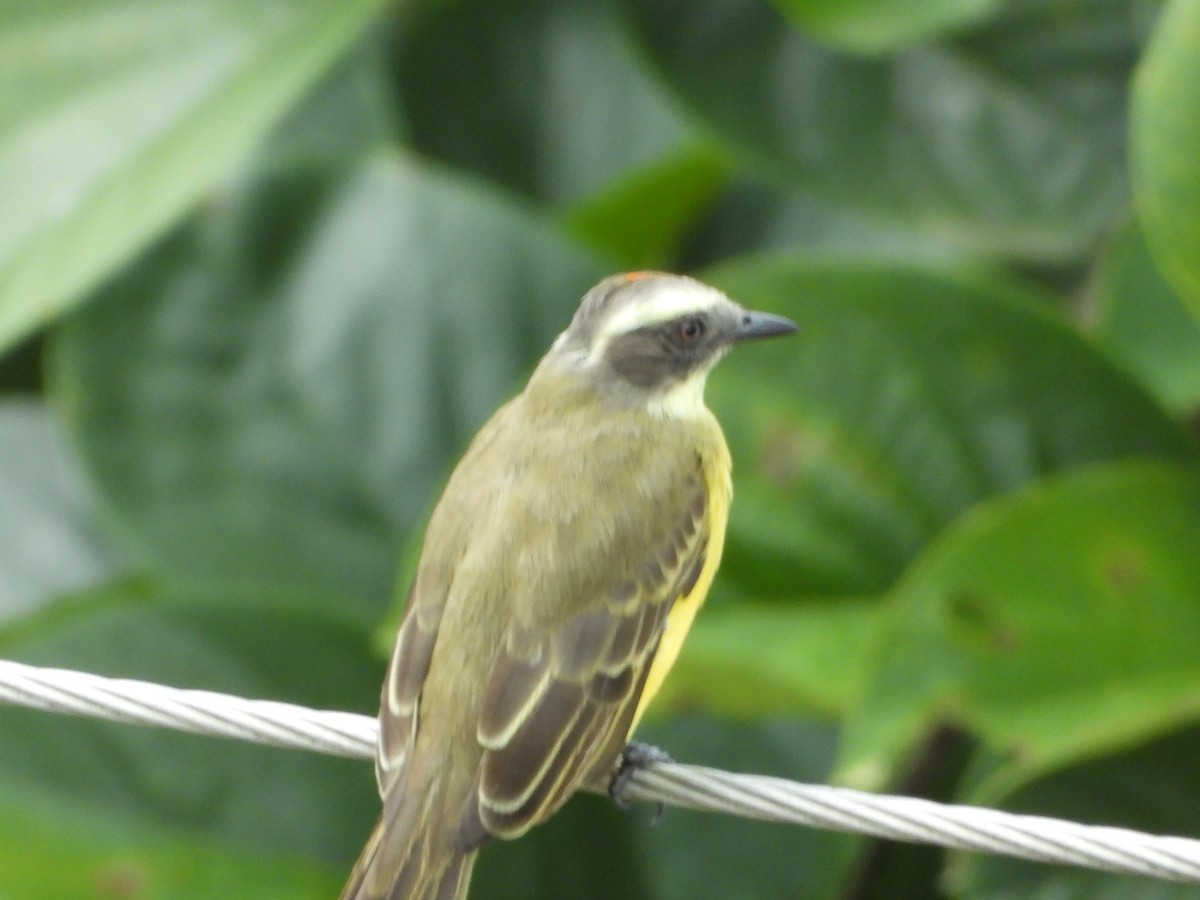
{"type": "Point", "coordinates": [719, 486]}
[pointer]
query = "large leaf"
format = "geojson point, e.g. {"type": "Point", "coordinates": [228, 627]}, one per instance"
{"type": "Point", "coordinates": [1166, 144]}
{"type": "Point", "coordinates": [1152, 788]}
{"type": "Point", "coordinates": [588, 850]}
{"type": "Point", "coordinates": [49, 539]}
{"type": "Point", "coordinates": [693, 854]}
{"type": "Point", "coordinates": [550, 98]}
{"type": "Point", "coordinates": [273, 395]}
{"type": "Point", "coordinates": [1057, 624]}
{"type": "Point", "coordinates": [874, 25]}
{"type": "Point", "coordinates": [765, 660]}
{"type": "Point", "coordinates": [56, 850]}
{"type": "Point", "coordinates": [1007, 139]}
{"type": "Point", "coordinates": [753, 218]}
{"type": "Point", "coordinates": [1142, 322]}
{"type": "Point", "coordinates": [115, 117]}
{"type": "Point", "coordinates": [171, 799]}
{"type": "Point", "coordinates": [642, 218]}
{"type": "Point", "coordinates": [909, 395]}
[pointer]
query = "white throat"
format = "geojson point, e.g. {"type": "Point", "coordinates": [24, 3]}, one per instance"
{"type": "Point", "coordinates": [684, 400]}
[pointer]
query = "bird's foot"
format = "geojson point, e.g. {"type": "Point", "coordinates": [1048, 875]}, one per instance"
{"type": "Point", "coordinates": [634, 757]}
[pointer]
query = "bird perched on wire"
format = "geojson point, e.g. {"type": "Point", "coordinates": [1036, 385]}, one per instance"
{"type": "Point", "coordinates": [560, 573]}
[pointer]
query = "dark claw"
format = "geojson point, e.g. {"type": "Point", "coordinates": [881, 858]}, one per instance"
{"type": "Point", "coordinates": [634, 757]}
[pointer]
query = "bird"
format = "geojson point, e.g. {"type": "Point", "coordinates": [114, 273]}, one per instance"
{"type": "Point", "coordinates": [559, 574]}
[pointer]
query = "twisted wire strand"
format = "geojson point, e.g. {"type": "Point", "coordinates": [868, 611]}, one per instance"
{"type": "Point", "coordinates": [693, 787]}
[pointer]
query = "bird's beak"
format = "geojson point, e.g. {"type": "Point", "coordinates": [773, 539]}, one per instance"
{"type": "Point", "coordinates": [753, 325]}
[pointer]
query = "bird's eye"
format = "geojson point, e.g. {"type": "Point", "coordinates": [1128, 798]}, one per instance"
{"type": "Point", "coordinates": [690, 329]}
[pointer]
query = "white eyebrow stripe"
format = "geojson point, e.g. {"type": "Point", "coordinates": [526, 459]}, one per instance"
{"type": "Point", "coordinates": [668, 301]}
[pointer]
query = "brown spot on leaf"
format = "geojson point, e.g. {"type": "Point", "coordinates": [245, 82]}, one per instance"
{"type": "Point", "coordinates": [1124, 569]}
{"type": "Point", "coordinates": [121, 880]}
{"type": "Point", "coordinates": [974, 622]}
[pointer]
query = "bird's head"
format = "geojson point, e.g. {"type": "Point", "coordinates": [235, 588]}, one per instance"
{"type": "Point", "coordinates": [650, 339]}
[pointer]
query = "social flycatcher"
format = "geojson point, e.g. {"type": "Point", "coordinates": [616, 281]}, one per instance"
{"type": "Point", "coordinates": [561, 571]}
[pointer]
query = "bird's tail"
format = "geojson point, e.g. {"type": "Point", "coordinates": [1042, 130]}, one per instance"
{"type": "Point", "coordinates": [413, 870]}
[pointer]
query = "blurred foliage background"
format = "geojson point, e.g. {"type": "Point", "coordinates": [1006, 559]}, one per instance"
{"type": "Point", "coordinates": [265, 266]}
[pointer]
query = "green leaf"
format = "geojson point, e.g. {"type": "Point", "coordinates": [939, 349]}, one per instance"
{"type": "Point", "coordinates": [272, 397]}
{"type": "Point", "coordinates": [1165, 136]}
{"type": "Point", "coordinates": [1057, 624]}
{"type": "Point", "coordinates": [1151, 788]}
{"type": "Point", "coordinates": [589, 850]}
{"type": "Point", "coordinates": [642, 219]}
{"type": "Point", "coordinates": [1005, 140]}
{"type": "Point", "coordinates": [869, 26]}
{"type": "Point", "coordinates": [1142, 323]}
{"type": "Point", "coordinates": [550, 99]}
{"type": "Point", "coordinates": [349, 113]}
{"type": "Point", "coordinates": [752, 218]}
{"type": "Point", "coordinates": [764, 660]}
{"type": "Point", "coordinates": [703, 855]}
{"type": "Point", "coordinates": [56, 850]}
{"type": "Point", "coordinates": [909, 395]}
{"type": "Point", "coordinates": [116, 117]}
{"type": "Point", "coordinates": [49, 539]}
{"type": "Point", "coordinates": [211, 802]}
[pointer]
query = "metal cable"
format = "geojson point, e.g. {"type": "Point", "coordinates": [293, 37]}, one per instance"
{"type": "Point", "coordinates": [694, 787]}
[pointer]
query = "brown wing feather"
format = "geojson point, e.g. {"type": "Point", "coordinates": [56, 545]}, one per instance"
{"type": "Point", "coordinates": [402, 692]}
{"type": "Point", "coordinates": [557, 710]}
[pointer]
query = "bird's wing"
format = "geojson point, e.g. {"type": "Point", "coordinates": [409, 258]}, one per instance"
{"type": "Point", "coordinates": [560, 700]}
{"type": "Point", "coordinates": [402, 686]}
